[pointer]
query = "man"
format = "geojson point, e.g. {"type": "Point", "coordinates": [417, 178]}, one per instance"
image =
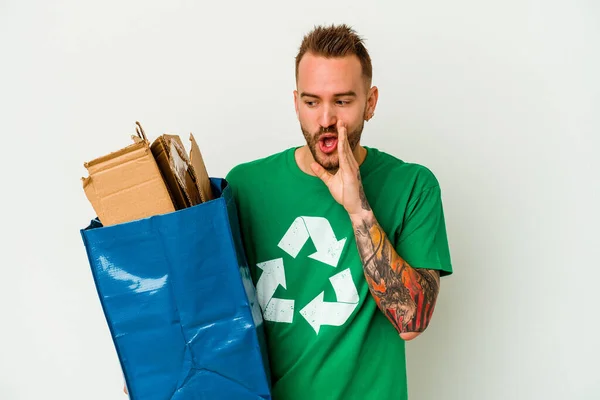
{"type": "Point", "coordinates": [346, 243]}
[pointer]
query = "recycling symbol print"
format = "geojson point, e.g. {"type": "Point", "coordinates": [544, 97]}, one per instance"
{"type": "Point", "coordinates": [317, 312]}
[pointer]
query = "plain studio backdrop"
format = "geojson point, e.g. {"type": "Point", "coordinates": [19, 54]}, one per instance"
{"type": "Point", "coordinates": [501, 100]}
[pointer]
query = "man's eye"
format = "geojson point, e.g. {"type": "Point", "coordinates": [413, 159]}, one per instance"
{"type": "Point", "coordinates": [343, 102]}
{"type": "Point", "coordinates": [310, 103]}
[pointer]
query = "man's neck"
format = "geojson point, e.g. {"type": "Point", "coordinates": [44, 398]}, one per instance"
{"type": "Point", "coordinates": [304, 158]}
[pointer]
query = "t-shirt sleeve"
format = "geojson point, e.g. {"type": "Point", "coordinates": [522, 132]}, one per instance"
{"type": "Point", "coordinates": [422, 240]}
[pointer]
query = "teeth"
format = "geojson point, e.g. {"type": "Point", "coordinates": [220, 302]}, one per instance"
{"type": "Point", "coordinates": [329, 142]}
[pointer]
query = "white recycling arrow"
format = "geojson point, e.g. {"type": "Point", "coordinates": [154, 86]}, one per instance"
{"type": "Point", "coordinates": [319, 230]}
{"type": "Point", "coordinates": [280, 310]}
{"type": "Point", "coordinates": [277, 310]}
{"type": "Point", "coordinates": [319, 312]}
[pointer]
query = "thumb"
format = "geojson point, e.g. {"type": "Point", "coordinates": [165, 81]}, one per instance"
{"type": "Point", "coordinates": [320, 172]}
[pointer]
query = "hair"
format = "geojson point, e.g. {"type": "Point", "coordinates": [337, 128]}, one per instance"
{"type": "Point", "coordinates": [336, 41]}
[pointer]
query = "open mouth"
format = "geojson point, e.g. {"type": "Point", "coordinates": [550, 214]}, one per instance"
{"type": "Point", "coordinates": [328, 143]}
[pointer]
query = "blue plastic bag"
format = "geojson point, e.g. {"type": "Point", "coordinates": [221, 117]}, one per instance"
{"type": "Point", "coordinates": [180, 304]}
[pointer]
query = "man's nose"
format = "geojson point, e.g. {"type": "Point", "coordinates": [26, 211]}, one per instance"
{"type": "Point", "coordinates": [328, 117]}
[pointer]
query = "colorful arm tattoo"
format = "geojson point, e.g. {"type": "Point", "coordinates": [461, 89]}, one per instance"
{"type": "Point", "coordinates": [406, 295]}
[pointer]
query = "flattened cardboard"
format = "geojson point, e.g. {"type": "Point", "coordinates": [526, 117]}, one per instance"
{"type": "Point", "coordinates": [126, 185]}
{"type": "Point", "coordinates": [201, 175]}
{"type": "Point", "coordinates": [176, 169]}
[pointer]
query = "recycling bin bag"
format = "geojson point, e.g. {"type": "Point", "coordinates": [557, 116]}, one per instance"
{"type": "Point", "coordinates": [180, 304]}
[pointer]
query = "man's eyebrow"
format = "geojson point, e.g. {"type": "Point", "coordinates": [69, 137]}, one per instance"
{"type": "Point", "coordinates": [348, 93]}
{"type": "Point", "coordinates": [304, 94]}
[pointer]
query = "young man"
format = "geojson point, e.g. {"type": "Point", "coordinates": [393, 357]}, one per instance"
{"type": "Point", "coordinates": [346, 243]}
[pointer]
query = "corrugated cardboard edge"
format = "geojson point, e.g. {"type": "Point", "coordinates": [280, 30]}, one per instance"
{"type": "Point", "coordinates": [201, 175]}
{"type": "Point", "coordinates": [90, 192]}
{"type": "Point", "coordinates": [93, 165]}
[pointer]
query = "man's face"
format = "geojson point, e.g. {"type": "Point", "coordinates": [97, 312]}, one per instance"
{"type": "Point", "coordinates": [329, 90]}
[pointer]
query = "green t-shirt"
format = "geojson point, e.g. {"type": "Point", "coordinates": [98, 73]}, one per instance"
{"type": "Point", "coordinates": [326, 337]}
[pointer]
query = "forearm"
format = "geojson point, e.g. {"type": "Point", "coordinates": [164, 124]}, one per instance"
{"type": "Point", "coordinates": [406, 295]}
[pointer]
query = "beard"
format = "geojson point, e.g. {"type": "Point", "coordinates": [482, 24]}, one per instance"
{"type": "Point", "coordinates": [330, 162]}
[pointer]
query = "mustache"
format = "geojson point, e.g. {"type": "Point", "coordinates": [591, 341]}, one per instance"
{"type": "Point", "coordinates": [328, 129]}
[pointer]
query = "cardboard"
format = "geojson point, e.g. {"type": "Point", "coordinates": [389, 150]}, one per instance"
{"type": "Point", "coordinates": [186, 177]}
{"type": "Point", "coordinates": [143, 179]}
{"type": "Point", "coordinates": [174, 165]}
{"type": "Point", "coordinates": [127, 184]}
{"type": "Point", "coordinates": [202, 178]}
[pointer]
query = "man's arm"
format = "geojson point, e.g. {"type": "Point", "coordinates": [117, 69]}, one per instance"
{"type": "Point", "coordinates": [406, 295]}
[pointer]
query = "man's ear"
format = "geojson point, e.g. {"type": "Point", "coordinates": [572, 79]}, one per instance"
{"type": "Point", "coordinates": [372, 98]}
{"type": "Point", "coordinates": [296, 103]}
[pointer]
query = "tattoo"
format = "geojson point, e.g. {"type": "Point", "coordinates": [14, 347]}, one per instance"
{"type": "Point", "coordinates": [361, 193]}
{"type": "Point", "coordinates": [406, 295]}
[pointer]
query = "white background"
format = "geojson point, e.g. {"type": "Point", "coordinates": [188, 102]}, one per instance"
{"type": "Point", "coordinates": [500, 99]}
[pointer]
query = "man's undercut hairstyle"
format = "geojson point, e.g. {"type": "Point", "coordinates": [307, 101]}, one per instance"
{"type": "Point", "coordinates": [333, 42]}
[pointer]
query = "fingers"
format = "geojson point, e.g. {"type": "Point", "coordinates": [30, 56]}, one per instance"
{"type": "Point", "coordinates": [345, 155]}
{"type": "Point", "coordinates": [343, 146]}
{"type": "Point", "coordinates": [321, 172]}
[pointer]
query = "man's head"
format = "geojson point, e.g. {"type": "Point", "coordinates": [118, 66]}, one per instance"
{"type": "Point", "coordinates": [333, 82]}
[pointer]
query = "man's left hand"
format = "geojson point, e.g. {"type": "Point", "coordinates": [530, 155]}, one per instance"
{"type": "Point", "coordinates": [345, 185]}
